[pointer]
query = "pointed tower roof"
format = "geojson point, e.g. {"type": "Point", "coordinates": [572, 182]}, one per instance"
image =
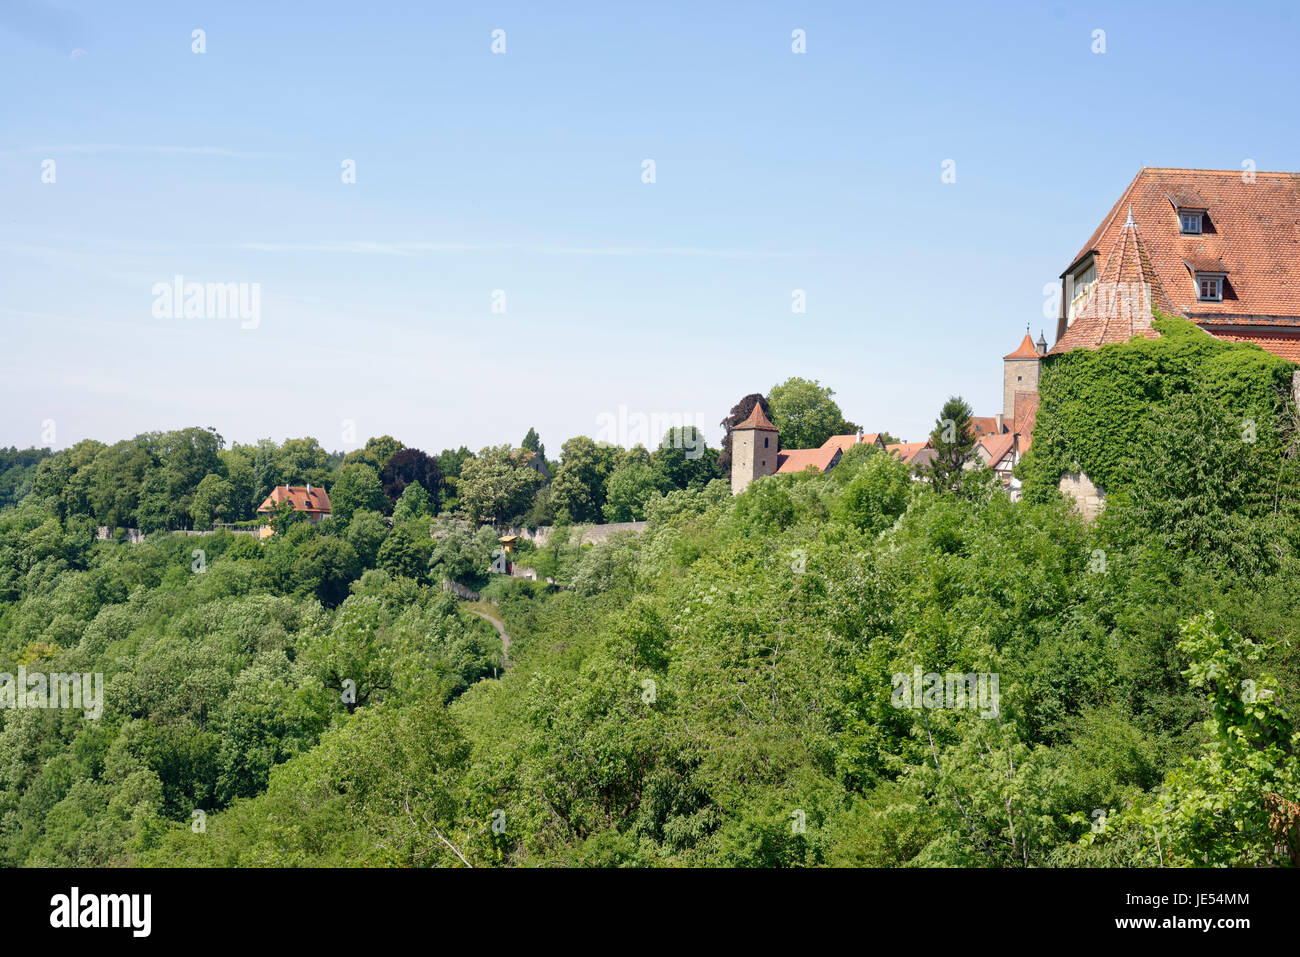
{"type": "Point", "coordinates": [1128, 262]}
{"type": "Point", "coordinates": [1118, 306]}
{"type": "Point", "coordinates": [1025, 350]}
{"type": "Point", "coordinates": [757, 420]}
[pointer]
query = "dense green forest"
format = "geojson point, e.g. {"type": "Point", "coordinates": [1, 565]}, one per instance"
{"type": "Point", "coordinates": [720, 689]}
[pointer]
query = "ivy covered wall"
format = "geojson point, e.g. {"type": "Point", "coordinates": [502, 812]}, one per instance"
{"type": "Point", "coordinates": [1095, 404]}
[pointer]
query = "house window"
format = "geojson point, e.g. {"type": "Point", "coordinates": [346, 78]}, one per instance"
{"type": "Point", "coordinates": [1209, 288]}
{"type": "Point", "coordinates": [1077, 289]}
{"type": "Point", "coordinates": [1190, 222]}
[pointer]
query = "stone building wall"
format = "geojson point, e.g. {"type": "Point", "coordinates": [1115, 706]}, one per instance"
{"type": "Point", "coordinates": [1018, 375]}
{"type": "Point", "coordinates": [1088, 499]}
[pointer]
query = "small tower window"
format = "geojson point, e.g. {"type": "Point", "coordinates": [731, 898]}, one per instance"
{"type": "Point", "coordinates": [1209, 288]}
{"type": "Point", "coordinates": [1190, 222]}
{"type": "Point", "coordinates": [765, 440]}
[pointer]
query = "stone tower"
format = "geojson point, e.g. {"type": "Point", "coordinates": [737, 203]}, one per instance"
{"type": "Point", "coordinates": [753, 449]}
{"type": "Point", "coordinates": [1020, 370]}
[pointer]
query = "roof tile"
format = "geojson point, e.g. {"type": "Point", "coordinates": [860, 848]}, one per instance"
{"type": "Point", "coordinates": [1251, 231]}
{"type": "Point", "coordinates": [757, 420]}
{"type": "Point", "coordinates": [316, 500]}
{"type": "Point", "coordinates": [1025, 350]}
{"type": "Point", "coordinates": [798, 460]}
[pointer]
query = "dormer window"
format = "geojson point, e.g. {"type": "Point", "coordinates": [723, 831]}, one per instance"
{"type": "Point", "coordinates": [1209, 287]}
{"type": "Point", "coordinates": [1077, 288]}
{"type": "Point", "coordinates": [1191, 207]}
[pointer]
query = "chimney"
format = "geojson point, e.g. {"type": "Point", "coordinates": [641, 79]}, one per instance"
{"type": "Point", "coordinates": [309, 489]}
{"type": "Point", "coordinates": [998, 419]}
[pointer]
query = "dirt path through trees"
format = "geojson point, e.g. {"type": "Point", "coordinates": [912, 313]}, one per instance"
{"type": "Point", "coordinates": [499, 625]}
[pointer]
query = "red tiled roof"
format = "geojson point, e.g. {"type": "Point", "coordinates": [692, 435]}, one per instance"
{"type": "Point", "coordinates": [757, 420]}
{"type": "Point", "coordinates": [906, 450]}
{"type": "Point", "coordinates": [846, 442]}
{"type": "Point", "coordinates": [797, 460]}
{"type": "Point", "coordinates": [1025, 350]}
{"type": "Point", "coordinates": [1026, 409]}
{"type": "Point", "coordinates": [841, 442]}
{"type": "Point", "coordinates": [1252, 229]}
{"type": "Point", "coordinates": [316, 501]}
{"type": "Point", "coordinates": [1280, 343]}
{"type": "Point", "coordinates": [1187, 198]}
{"type": "Point", "coordinates": [996, 446]}
{"type": "Point", "coordinates": [1203, 262]}
{"type": "Point", "coordinates": [984, 424]}
{"type": "Point", "coordinates": [1118, 306]}
{"type": "Point", "coordinates": [923, 458]}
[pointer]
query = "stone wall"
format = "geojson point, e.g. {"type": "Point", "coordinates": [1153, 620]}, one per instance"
{"type": "Point", "coordinates": [1018, 375]}
{"type": "Point", "coordinates": [1088, 499]}
{"type": "Point", "coordinates": [134, 536]}
{"type": "Point", "coordinates": [580, 534]}
{"type": "Point", "coordinates": [753, 454]}
{"type": "Point", "coordinates": [106, 534]}
{"type": "Point", "coordinates": [459, 590]}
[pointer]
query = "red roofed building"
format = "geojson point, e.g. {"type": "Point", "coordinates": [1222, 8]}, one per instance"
{"type": "Point", "coordinates": [309, 499]}
{"type": "Point", "coordinates": [907, 451]}
{"type": "Point", "coordinates": [1021, 370]}
{"type": "Point", "coordinates": [1002, 451]}
{"type": "Point", "coordinates": [1218, 247]}
{"type": "Point", "coordinates": [754, 451]}
{"type": "Point", "coordinates": [800, 460]}
{"type": "Point", "coordinates": [916, 455]}
{"type": "Point", "coordinates": [1026, 413]}
{"type": "Point", "coordinates": [846, 442]}
{"type": "Point", "coordinates": [997, 452]}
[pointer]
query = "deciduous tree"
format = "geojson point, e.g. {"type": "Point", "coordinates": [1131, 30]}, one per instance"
{"type": "Point", "coordinates": [805, 413]}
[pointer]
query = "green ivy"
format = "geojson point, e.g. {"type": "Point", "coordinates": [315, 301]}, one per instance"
{"type": "Point", "coordinates": [1094, 402]}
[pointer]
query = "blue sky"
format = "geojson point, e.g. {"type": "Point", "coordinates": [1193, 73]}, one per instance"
{"type": "Point", "coordinates": [522, 172]}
